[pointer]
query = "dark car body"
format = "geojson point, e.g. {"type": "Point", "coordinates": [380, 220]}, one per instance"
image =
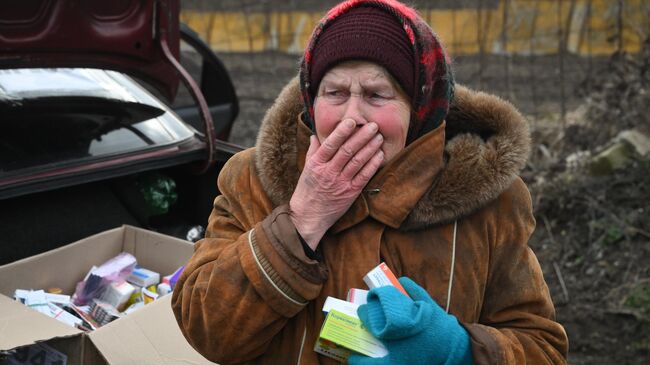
{"type": "Point", "coordinates": [90, 136]}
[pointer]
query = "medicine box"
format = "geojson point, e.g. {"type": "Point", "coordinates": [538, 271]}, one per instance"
{"type": "Point", "coordinates": [342, 333]}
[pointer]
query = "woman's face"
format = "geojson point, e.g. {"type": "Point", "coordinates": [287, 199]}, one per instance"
{"type": "Point", "coordinates": [364, 92]}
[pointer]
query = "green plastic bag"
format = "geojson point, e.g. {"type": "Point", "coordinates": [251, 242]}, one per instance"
{"type": "Point", "coordinates": [158, 191]}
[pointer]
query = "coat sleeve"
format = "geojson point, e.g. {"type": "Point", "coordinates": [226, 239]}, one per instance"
{"type": "Point", "coordinates": [248, 277]}
{"type": "Point", "coordinates": [517, 322]}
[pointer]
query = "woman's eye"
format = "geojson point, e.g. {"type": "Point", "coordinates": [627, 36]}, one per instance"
{"type": "Point", "coordinates": [334, 93]}
{"type": "Point", "coordinates": [335, 96]}
{"type": "Point", "coordinates": [378, 98]}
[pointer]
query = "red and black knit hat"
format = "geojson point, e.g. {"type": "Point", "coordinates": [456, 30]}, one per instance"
{"type": "Point", "coordinates": [392, 35]}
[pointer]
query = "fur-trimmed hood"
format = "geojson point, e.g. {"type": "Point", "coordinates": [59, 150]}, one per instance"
{"type": "Point", "coordinates": [487, 145]}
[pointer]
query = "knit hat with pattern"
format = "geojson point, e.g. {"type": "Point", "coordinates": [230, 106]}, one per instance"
{"type": "Point", "coordinates": [367, 33]}
{"type": "Point", "coordinates": [361, 29]}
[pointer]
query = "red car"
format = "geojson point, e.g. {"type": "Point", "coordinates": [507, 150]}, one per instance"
{"type": "Point", "coordinates": [90, 136]}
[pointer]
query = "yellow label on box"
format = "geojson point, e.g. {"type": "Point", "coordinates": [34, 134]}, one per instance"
{"type": "Point", "coordinates": [348, 331]}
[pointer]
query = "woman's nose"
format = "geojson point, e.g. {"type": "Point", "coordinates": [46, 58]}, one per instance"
{"type": "Point", "coordinates": [354, 109]}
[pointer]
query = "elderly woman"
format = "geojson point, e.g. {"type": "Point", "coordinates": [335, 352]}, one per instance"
{"type": "Point", "coordinates": [373, 155]}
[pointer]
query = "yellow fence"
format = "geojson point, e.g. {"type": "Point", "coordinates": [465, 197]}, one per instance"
{"type": "Point", "coordinates": [514, 27]}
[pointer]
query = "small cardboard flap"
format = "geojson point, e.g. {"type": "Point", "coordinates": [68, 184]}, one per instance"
{"type": "Point", "coordinates": [62, 267]}
{"type": "Point", "coordinates": [21, 326]}
{"type": "Point", "coordinates": [149, 335]}
{"type": "Point", "coordinates": [154, 251]}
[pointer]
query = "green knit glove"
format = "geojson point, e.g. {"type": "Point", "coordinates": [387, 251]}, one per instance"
{"type": "Point", "coordinates": [415, 330]}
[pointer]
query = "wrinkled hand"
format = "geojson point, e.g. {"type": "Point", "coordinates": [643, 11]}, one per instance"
{"type": "Point", "coordinates": [415, 330]}
{"type": "Point", "coordinates": [335, 173]}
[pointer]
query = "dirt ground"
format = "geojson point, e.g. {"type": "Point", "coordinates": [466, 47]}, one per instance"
{"type": "Point", "coordinates": [533, 84]}
{"type": "Point", "coordinates": [592, 235]}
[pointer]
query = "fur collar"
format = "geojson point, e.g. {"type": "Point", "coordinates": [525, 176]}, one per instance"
{"type": "Point", "coordinates": [487, 145]}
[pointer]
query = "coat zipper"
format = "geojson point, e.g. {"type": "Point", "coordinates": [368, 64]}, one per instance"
{"type": "Point", "coordinates": [453, 267]}
{"type": "Point", "coordinates": [302, 344]}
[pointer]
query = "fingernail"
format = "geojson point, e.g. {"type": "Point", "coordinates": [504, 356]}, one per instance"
{"type": "Point", "coordinates": [373, 127]}
{"type": "Point", "coordinates": [349, 123]}
{"type": "Point", "coordinates": [378, 139]}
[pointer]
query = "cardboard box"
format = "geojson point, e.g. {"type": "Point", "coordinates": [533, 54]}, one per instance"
{"type": "Point", "coordinates": [147, 336]}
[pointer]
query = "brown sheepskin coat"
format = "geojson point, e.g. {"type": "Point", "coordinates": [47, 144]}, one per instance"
{"type": "Point", "coordinates": [250, 295]}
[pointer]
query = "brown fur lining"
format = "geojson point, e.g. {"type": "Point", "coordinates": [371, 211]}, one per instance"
{"type": "Point", "coordinates": [275, 149]}
{"type": "Point", "coordinates": [488, 142]}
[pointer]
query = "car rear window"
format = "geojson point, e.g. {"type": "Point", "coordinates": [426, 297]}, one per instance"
{"type": "Point", "coordinates": [91, 114]}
